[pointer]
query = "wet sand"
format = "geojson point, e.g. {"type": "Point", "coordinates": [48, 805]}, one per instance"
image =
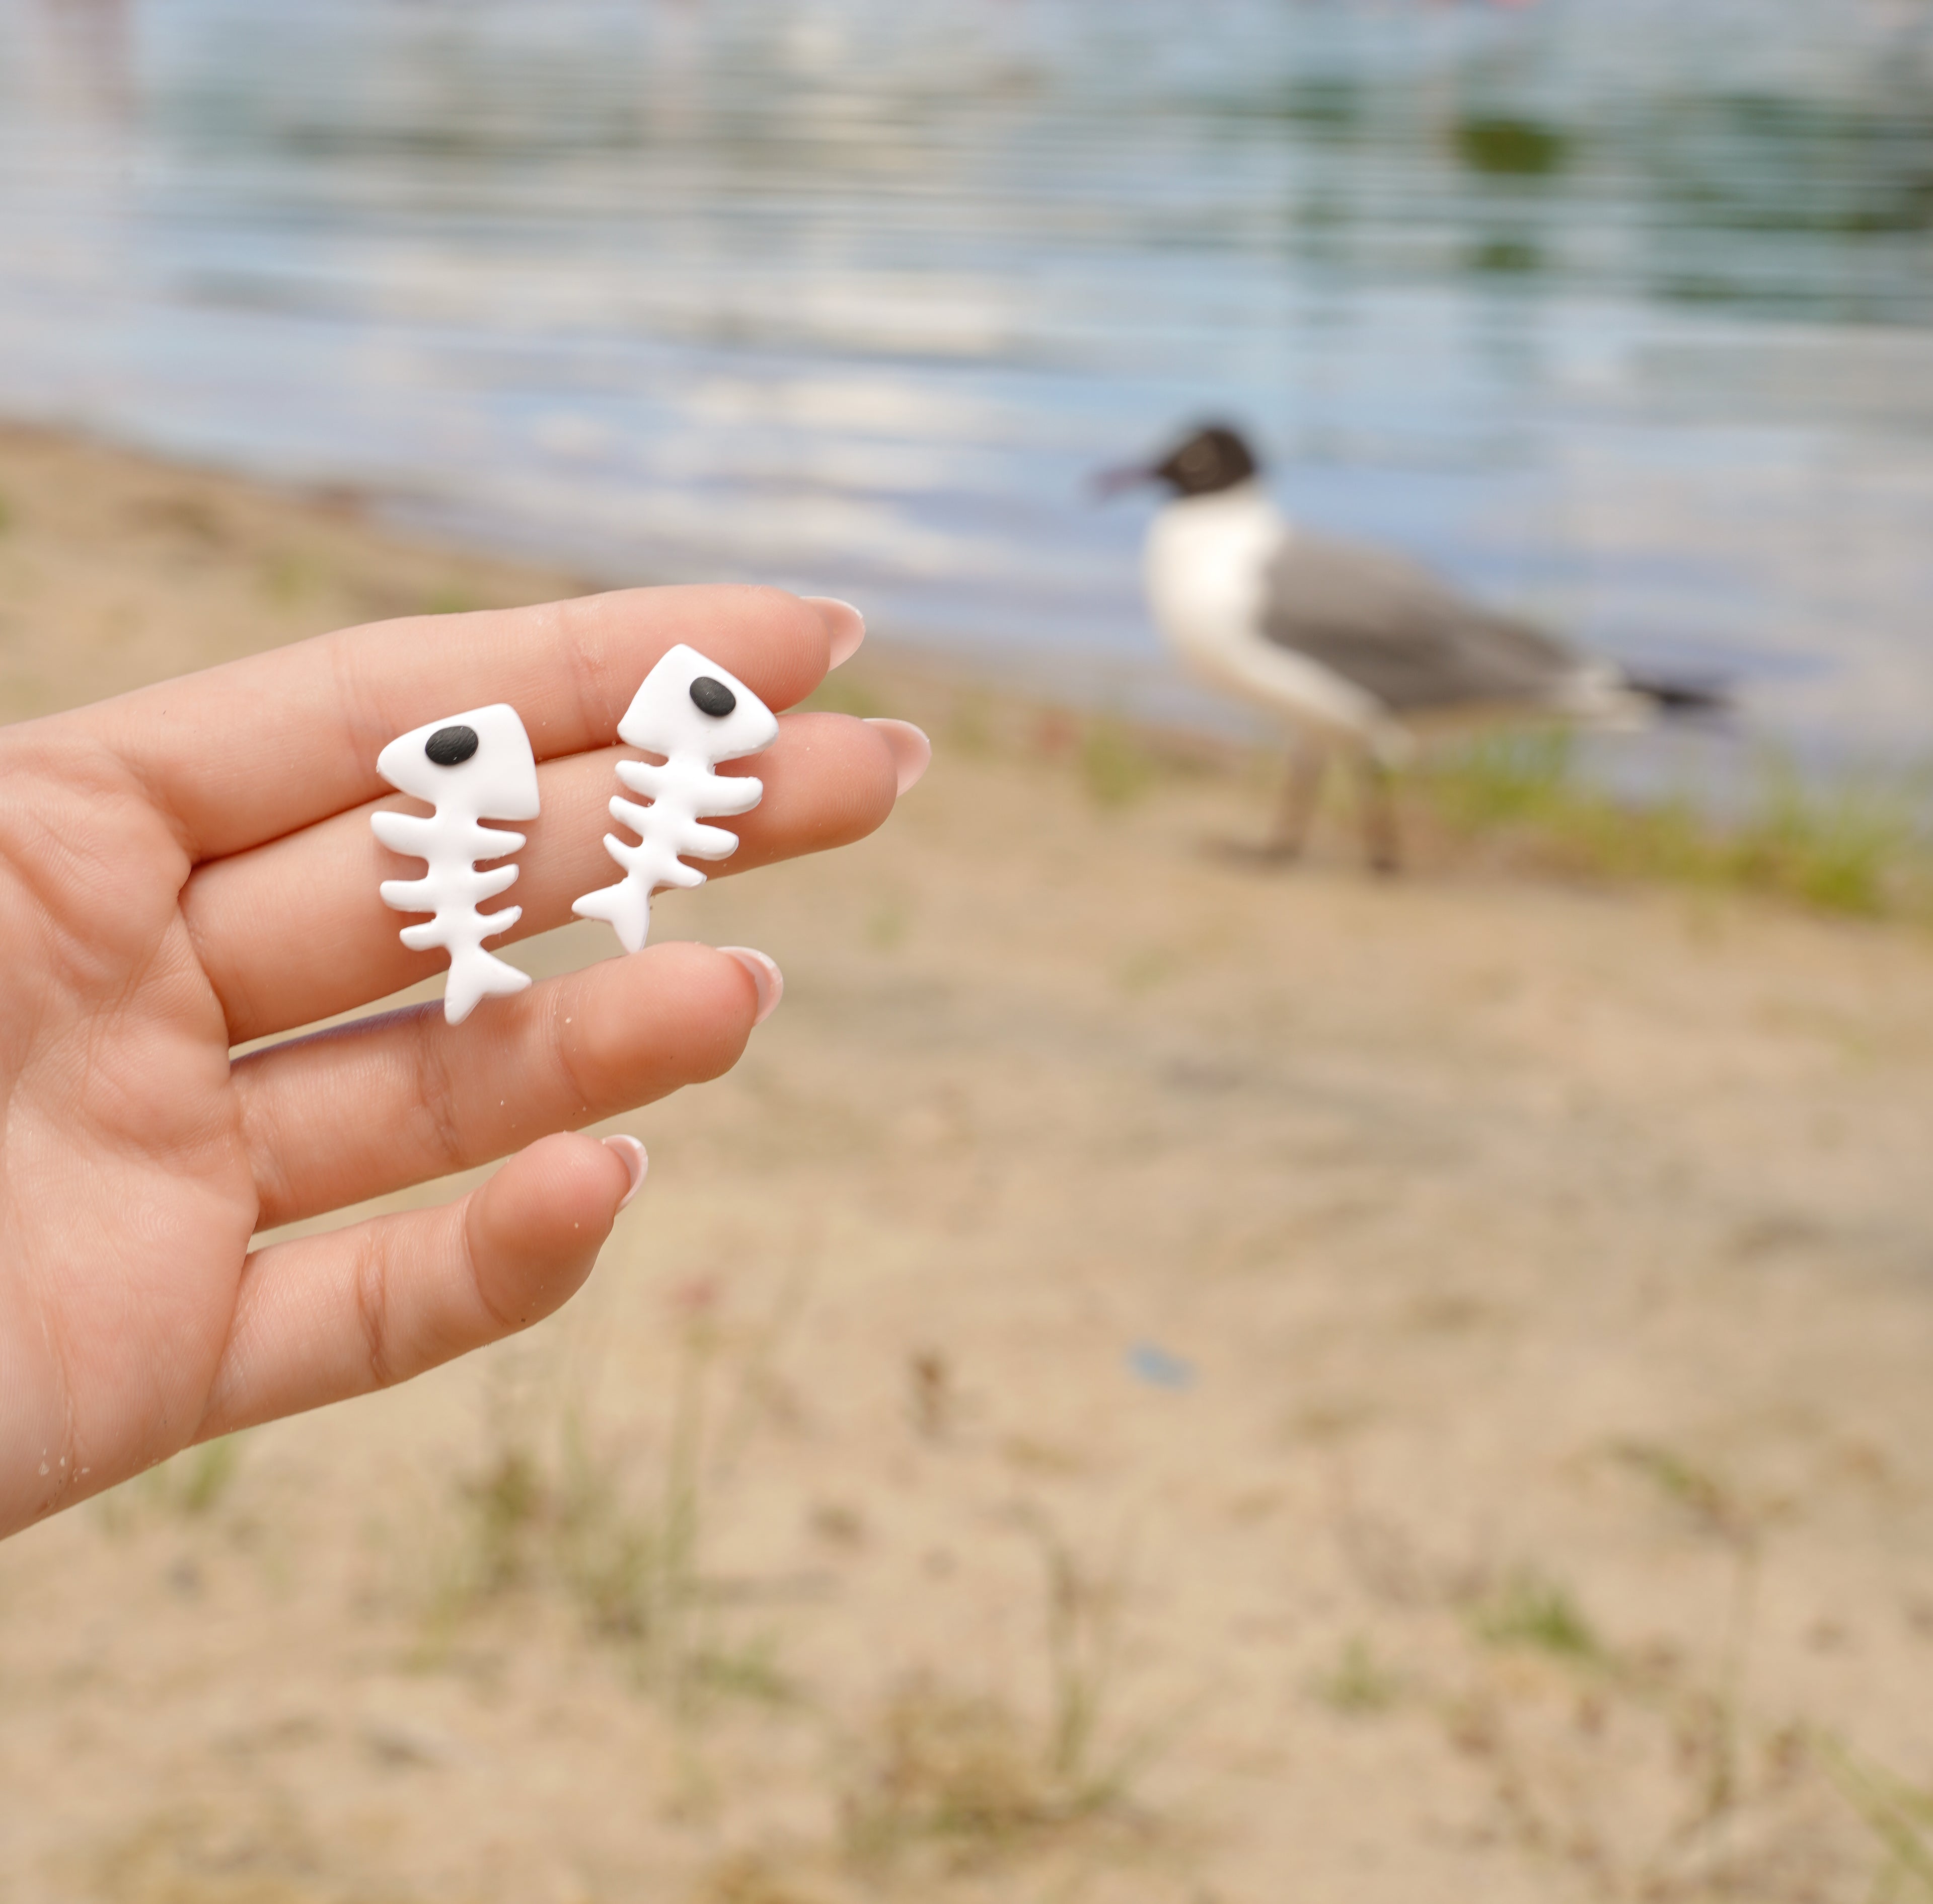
{"type": "Point", "coordinates": [1152, 1380]}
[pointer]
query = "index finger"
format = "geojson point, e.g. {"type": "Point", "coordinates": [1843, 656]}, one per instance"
{"type": "Point", "coordinates": [242, 753]}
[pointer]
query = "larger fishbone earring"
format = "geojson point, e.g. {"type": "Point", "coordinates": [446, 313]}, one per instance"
{"type": "Point", "coordinates": [470, 767]}
{"type": "Point", "coordinates": [693, 713]}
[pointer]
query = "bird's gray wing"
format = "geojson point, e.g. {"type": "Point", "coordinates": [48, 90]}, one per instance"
{"type": "Point", "coordinates": [1393, 629]}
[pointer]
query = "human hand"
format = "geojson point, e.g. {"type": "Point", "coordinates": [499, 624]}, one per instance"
{"type": "Point", "coordinates": [191, 867]}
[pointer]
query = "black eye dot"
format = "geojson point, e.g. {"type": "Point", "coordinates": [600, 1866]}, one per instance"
{"type": "Point", "coordinates": [450, 747]}
{"type": "Point", "coordinates": [712, 697]}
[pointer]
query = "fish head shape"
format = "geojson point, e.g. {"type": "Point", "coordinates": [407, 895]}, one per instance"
{"type": "Point", "coordinates": [479, 762]}
{"type": "Point", "coordinates": [688, 704]}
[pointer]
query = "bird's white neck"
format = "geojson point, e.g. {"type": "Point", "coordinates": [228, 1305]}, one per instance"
{"type": "Point", "coordinates": [1205, 555]}
{"type": "Point", "coordinates": [1208, 564]}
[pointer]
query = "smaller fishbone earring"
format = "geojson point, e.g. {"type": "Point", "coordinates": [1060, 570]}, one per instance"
{"type": "Point", "coordinates": [694, 714]}
{"type": "Point", "coordinates": [471, 767]}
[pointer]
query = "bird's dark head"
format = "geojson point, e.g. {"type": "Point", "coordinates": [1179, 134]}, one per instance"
{"type": "Point", "coordinates": [1211, 459]}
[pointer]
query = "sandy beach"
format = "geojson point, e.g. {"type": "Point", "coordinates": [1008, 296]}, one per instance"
{"type": "Point", "coordinates": [1154, 1379]}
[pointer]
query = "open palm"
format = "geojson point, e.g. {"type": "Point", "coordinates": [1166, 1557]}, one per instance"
{"type": "Point", "coordinates": [191, 867]}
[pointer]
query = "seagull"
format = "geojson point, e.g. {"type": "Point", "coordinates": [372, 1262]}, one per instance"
{"type": "Point", "coordinates": [1356, 648]}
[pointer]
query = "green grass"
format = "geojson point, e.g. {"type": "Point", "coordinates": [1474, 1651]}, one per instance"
{"type": "Point", "coordinates": [843, 692]}
{"type": "Point", "coordinates": [204, 1474]}
{"type": "Point", "coordinates": [1530, 1610]}
{"type": "Point", "coordinates": [1899, 1816]}
{"type": "Point", "coordinates": [1359, 1682]}
{"type": "Point", "coordinates": [980, 1778]}
{"type": "Point", "coordinates": [1712, 1506]}
{"type": "Point", "coordinates": [560, 1515]}
{"type": "Point", "coordinates": [564, 1512]}
{"type": "Point", "coordinates": [451, 598]}
{"type": "Point", "coordinates": [189, 1486]}
{"type": "Point", "coordinates": [287, 576]}
{"type": "Point", "coordinates": [968, 1776]}
{"type": "Point", "coordinates": [1083, 1656]}
{"type": "Point", "coordinates": [1117, 767]}
{"type": "Point", "coordinates": [1861, 850]}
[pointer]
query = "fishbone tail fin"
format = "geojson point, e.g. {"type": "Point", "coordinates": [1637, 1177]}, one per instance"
{"type": "Point", "coordinates": [474, 976]}
{"type": "Point", "coordinates": [625, 906]}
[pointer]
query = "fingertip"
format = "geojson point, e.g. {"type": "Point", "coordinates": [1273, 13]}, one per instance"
{"type": "Point", "coordinates": [911, 750]}
{"type": "Point", "coordinates": [798, 648]}
{"type": "Point", "coordinates": [636, 1160]}
{"type": "Point", "coordinates": [536, 1226]}
{"type": "Point", "coordinates": [568, 1182]}
{"type": "Point", "coordinates": [678, 998]}
{"type": "Point", "coordinates": [767, 979]}
{"type": "Point", "coordinates": [845, 628]}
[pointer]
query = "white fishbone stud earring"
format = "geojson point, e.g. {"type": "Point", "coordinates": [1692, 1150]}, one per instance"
{"type": "Point", "coordinates": [470, 767]}
{"type": "Point", "coordinates": [694, 714]}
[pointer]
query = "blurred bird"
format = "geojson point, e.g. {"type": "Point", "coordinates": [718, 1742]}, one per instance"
{"type": "Point", "coordinates": [1356, 648]}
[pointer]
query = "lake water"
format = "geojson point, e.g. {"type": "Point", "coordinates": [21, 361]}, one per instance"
{"type": "Point", "coordinates": [1621, 313]}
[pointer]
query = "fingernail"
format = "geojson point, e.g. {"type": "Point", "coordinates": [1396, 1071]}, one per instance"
{"type": "Point", "coordinates": [912, 751]}
{"type": "Point", "coordinates": [635, 1160]}
{"type": "Point", "coordinates": [765, 975]}
{"type": "Point", "coordinates": [845, 627]}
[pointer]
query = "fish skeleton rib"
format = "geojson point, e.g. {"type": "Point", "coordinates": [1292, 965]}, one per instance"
{"type": "Point", "coordinates": [475, 764]}
{"type": "Point", "coordinates": [693, 714]}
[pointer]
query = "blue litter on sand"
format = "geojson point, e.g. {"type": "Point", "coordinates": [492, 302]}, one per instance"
{"type": "Point", "coordinates": [1156, 1366]}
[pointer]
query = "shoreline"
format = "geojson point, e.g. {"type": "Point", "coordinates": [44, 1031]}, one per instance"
{"type": "Point", "coordinates": [244, 565]}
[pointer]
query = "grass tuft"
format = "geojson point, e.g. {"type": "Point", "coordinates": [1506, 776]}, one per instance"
{"type": "Point", "coordinates": [966, 1774]}
{"type": "Point", "coordinates": [205, 1474]}
{"type": "Point", "coordinates": [1897, 1814]}
{"type": "Point", "coordinates": [1860, 851]}
{"type": "Point", "coordinates": [566, 1514]}
{"type": "Point", "coordinates": [1117, 767]}
{"type": "Point", "coordinates": [1359, 1682]}
{"type": "Point", "coordinates": [980, 1780]}
{"type": "Point", "coordinates": [561, 1519]}
{"type": "Point", "coordinates": [189, 1486]}
{"type": "Point", "coordinates": [1711, 1505]}
{"type": "Point", "coordinates": [1083, 1653]}
{"type": "Point", "coordinates": [1529, 1609]}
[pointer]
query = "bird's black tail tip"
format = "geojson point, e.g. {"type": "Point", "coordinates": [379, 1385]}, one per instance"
{"type": "Point", "coordinates": [1682, 696]}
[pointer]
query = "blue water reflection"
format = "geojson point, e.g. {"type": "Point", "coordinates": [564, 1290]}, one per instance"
{"type": "Point", "coordinates": [1620, 313]}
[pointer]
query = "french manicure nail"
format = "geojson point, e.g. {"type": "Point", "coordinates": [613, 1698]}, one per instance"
{"type": "Point", "coordinates": [765, 975]}
{"type": "Point", "coordinates": [912, 751]}
{"type": "Point", "coordinates": [633, 1155]}
{"type": "Point", "coordinates": [845, 627]}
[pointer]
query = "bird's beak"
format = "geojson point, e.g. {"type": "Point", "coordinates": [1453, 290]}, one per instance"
{"type": "Point", "coordinates": [1124, 477]}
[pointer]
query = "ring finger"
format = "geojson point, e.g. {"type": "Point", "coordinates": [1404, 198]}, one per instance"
{"type": "Point", "coordinates": [395, 1100]}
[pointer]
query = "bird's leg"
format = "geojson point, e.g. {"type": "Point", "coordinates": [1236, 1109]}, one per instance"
{"type": "Point", "coordinates": [1381, 838]}
{"type": "Point", "coordinates": [1308, 760]}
